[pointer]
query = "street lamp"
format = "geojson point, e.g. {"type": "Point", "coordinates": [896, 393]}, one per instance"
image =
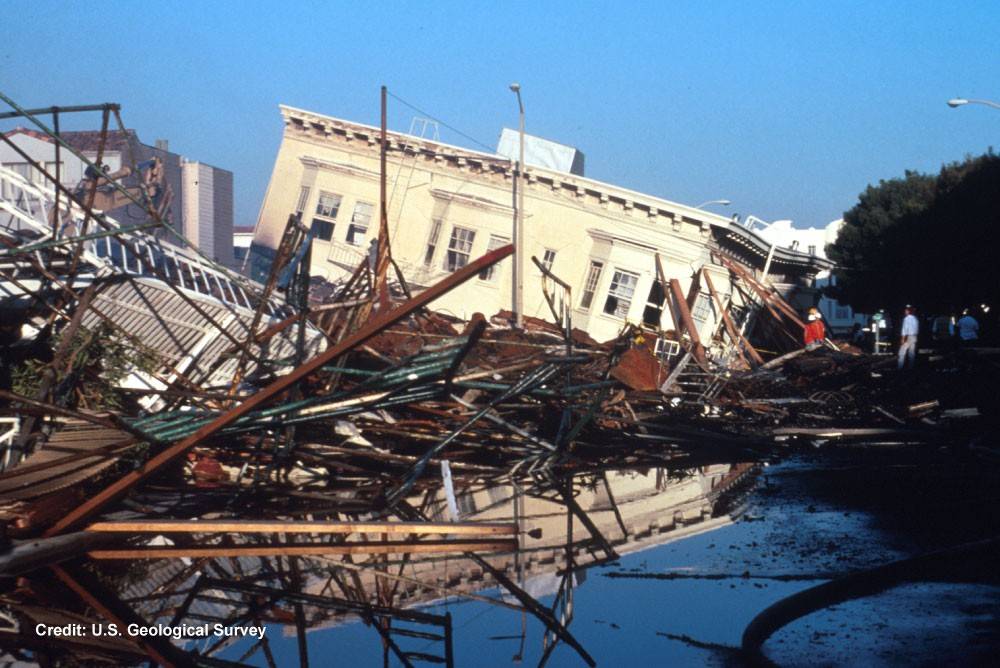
{"type": "Point", "coordinates": [961, 101]}
{"type": "Point", "coordinates": [517, 300]}
{"type": "Point", "coordinates": [720, 202]}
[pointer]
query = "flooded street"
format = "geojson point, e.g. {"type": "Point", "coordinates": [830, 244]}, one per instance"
{"type": "Point", "coordinates": [686, 595]}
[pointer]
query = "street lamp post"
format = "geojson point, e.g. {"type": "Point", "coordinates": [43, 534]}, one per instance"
{"type": "Point", "coordinates": [961, 101]}
{"type": "Point", "coordinates": [517, 301]}
{"type": "Point", "coordinates": [720, 202]}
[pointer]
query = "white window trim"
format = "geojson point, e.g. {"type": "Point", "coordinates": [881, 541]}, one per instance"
{"type": "Point", "coordinates": [631, 300]}
{"type": "Point", "coordinates": [467, 253]}
{"type": "Point", "coordinates": [597, 284]}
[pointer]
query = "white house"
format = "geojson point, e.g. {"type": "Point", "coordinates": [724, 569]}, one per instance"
{"type": "Point", "coordinates": [813, 240]}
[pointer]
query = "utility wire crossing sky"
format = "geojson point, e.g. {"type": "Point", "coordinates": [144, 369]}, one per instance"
{"type": "Point", "coordinates": [786, 109]}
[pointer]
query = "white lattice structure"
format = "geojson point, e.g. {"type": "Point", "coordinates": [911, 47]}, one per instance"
{"type": "Point", "coordinates": [187, 310]}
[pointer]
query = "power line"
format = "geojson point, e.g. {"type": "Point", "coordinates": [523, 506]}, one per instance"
{"type": "Point", "coordinates": [440, 122]}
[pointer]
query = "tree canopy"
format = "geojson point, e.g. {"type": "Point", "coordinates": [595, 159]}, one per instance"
{"type": "Point", "coordinates": [927, 240]}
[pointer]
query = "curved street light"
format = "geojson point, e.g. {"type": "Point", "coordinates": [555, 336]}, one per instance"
{"type": "Point", "coordinates": [961, 101]}
{"type": "Point", "coordinates": [720, 202]}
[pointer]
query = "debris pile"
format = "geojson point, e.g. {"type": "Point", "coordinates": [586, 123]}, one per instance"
{"type": "Point", "coordinates": [182, 445]}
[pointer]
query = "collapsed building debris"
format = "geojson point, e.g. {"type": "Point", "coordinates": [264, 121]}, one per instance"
{"type": "Point", "coordinates": [187, 446]}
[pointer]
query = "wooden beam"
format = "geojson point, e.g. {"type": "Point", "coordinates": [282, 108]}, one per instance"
{"type": "Point", "coordinates": [674, 317]}
{"type": "Point", "coordinates": [694, 289]}
{"type": "Point", "coordinates": [374, 326]}
{"type": "Point", "coordinates": [731, 329]}
{"type": "Point", "coordinates": [284, 526]}
{"type": "Point", "coordinates": [697, 349]}
{"type": "Point", "coordinates": [769, 296]}
{"type": "Point", "coordinates": [301, 550]}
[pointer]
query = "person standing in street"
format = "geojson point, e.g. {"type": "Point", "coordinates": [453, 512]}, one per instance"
{"type": "Point", "coordinates": [968, 329]}
{"type": "Point", "coordinates": [908, 339]}
{"type": "Point", "coordinates": [815, 331]}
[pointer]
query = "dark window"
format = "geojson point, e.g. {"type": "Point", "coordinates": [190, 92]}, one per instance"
{"type": "Point", "coordinates": [654, 305]}
{"type": "Point", "coordinates": [322, 229]}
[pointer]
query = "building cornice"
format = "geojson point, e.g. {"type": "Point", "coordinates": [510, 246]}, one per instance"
{"type": "Point", "coordinates": [300, 123]}
{"type": "Point", "coordinates": [343, 168]}
{"type": "Point", "coordinates": [480, 203]}
{"type": "Point", "coordinates": [330, 128]}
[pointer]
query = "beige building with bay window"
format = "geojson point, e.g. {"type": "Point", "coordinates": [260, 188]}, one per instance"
{"type": "Point", "coordinates": [450, 205]}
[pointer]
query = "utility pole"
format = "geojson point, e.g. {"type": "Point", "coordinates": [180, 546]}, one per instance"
{"type": "Point", "coordinates": [517, 301]}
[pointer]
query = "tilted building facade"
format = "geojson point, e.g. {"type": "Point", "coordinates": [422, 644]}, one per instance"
{"type": "Point", "coordinates": [449, 205]}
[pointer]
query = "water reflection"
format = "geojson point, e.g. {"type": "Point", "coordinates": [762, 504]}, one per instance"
{"type": "Point", "coordinates": [208, 610]}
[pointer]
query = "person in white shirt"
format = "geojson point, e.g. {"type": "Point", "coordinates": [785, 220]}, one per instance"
{"type": "Point", "coordinates": [968, 329]}
{"type": "Point", "coordinates": [908, 339]}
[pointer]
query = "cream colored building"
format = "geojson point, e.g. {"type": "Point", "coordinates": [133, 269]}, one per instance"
{"type": "Point", "coordinates": [450, 205]}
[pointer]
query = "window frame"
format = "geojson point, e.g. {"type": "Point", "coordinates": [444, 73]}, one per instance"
{"type": "Point", "coordinates": [332, 211]}
{"type": "Point", "coordinates": [465, 236]}
{"type": "Point", "coordinates": [322, 229]}
{"type": "Point", "coordinates": [548, 258]}
{"type": "Point", "coordinates": [489, 274]}
{"type": "Point", "coordinates": [591, 281]}
{"type": "Point", "coordinates": [354, 225]}
{"type": "Point", "coordinates": [433, 239]}
{"type": "Point", "coordinates": [300, 205]}
{"type": "Point", "coordinates": [617, 283]}
{"type": "Point", "coordinates": [653, 306]}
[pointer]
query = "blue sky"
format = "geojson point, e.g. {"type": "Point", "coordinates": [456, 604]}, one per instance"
{"type": "Point", "coordinates": [789, 109]}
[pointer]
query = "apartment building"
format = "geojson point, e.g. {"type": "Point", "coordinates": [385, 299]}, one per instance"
{"type": "Point", "coordinates": [201, 196]}
{"type": "Point", "coordinates": [448, 205]}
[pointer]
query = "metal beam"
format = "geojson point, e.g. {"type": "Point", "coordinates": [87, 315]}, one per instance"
{"type": "Point", "coordinates": [306, 550]}
{"type": "Point", "coordinates": [374, 327]}
{"type": "Point", "coordinates": [107, 106]}
{"type": "Point", "coordinates": [318, 527]}
{"type": "Point", "coordinates": [698, 350]}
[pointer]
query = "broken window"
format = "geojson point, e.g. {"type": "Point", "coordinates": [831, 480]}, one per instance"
{"type": "Point", "coordinates": [496, 242]}
{"type": "Point", "coordinates": [360, 219]}
{"type": "Point", "coordinates": [459, 248]}
{"type": "Point", "coordinates": [432, 242]}
{"type": "Point", "coordinates": [654, 305]}
{"type": "Point", "coordinates": [549, 258]}
{"type": "Point", "coordinates": [590, 285]}
{"type": "Point", "coordinates": [620, 293]}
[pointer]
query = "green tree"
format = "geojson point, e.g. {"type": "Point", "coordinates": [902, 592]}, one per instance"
{"type": "Point", "coordinates": [863, 251]}
{"type": "Point", "coordinates": [927, 240]}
